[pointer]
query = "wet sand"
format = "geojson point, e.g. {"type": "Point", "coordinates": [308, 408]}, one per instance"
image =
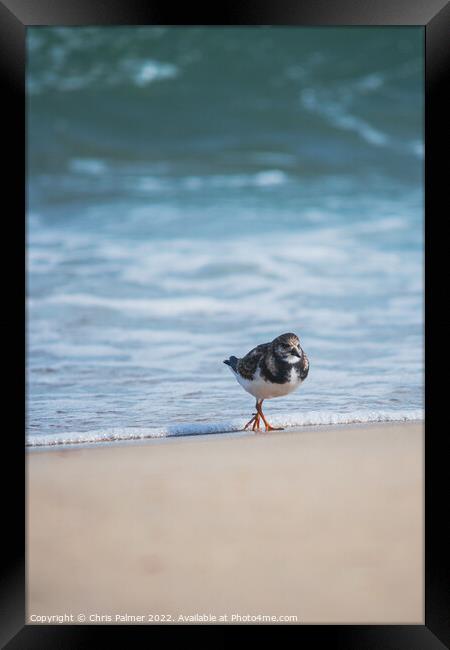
{"type": "Point", "coordinates": [322, 524]}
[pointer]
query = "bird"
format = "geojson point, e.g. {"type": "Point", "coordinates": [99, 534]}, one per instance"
{"type": "Point", "coordinates": [270, 370]}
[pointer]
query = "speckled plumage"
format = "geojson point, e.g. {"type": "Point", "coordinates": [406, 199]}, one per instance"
{"type": "Point", "coordinates": [272, 369]}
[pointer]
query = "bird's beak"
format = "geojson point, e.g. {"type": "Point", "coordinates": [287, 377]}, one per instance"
{"type": "Point", "coordinates": [297, 353]}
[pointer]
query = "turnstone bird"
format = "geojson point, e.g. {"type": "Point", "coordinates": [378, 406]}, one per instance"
{"type": "Point", "coordinates": [270, 370]}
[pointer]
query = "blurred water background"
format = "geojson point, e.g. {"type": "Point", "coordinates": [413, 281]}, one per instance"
{"type": "Point", "coordinates": [193, 192]}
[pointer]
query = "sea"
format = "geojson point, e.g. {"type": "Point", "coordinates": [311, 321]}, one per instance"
{"type": "Point", "coordinates": [195, 191]}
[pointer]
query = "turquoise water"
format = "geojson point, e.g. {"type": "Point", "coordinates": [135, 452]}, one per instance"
{"type": "Point", "coordinates": [193, 192]}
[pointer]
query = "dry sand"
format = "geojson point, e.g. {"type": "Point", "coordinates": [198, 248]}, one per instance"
{"type": "Point", "coordinates": [323, 524]}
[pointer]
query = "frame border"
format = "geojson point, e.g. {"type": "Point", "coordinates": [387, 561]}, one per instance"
{"type": "Point", "coordinates": [434, 16]}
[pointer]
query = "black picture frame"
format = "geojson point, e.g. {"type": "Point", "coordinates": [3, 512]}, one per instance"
{"type": "Point", "coordinates": [434, 16]}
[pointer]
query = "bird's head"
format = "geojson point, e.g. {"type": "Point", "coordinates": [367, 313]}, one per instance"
{"type": "Point", "coordinates": [287, 347]}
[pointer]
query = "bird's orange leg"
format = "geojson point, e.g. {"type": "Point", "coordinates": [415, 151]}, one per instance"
{"type": "Point", "coordinates": [255, 426]}
{"type": "Point", "coordinates": [254, 420]}
{"type": "Point", "coordinates": [268, 426]}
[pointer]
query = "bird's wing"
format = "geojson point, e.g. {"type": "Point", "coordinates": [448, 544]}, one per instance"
{"type": "Point", "coordinates": [246, 366]}
{"type": "Point", "coordinates": [304, 367]}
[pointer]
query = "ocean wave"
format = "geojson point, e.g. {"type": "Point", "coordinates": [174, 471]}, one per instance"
{"type": "Point", "coordinates": [85, 173]}
{"type": "Point", "coordinates": [143, 73]}
{"type": "Point", "coordinates": [179, 306]}
{"type": "Point", "coordinates": [198, 428]}
{"type": "Point", "coordinates": [339, 117]}
{"type": "Point", "coordinates": [91, 166]}
{"type": "Point", "coordinates": [138, 72]}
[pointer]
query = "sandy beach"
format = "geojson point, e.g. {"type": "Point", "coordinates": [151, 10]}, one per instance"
{"type": "Point", "coordinates": [323, 525]}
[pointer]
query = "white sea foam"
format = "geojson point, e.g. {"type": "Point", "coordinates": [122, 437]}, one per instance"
{"type": "Point", "coordinates": [159, 306]}
{"type": "Point", "coordinates": [370, 82]}
{"type": "Point", "coordinates": [418, 149]}
{"type": "Point", "coordinates": [199, 428]}
{"type": "Point", "coordinates": [138, 72]}
{"type": "Point", "coordinates": [147, 71]}
{"type": "Point", "coordinates": [88, 166]}
{"type": "Point", "coordinates": [267, 178]}
{"type": "Point", "coordinates": [338, 115]}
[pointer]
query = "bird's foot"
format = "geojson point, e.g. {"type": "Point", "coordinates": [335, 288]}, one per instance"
{"type": "Point", "coordinates": [269, 427]}
{"type": "Point", "coordinates": [254, 421]}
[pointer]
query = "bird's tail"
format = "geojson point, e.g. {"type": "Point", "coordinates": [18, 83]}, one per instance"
{"type": "Point", "coordinates": [232, 362]}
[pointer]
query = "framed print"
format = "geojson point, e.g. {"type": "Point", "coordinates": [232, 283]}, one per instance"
{"type": "Point", "coordinates": [230, 411]}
